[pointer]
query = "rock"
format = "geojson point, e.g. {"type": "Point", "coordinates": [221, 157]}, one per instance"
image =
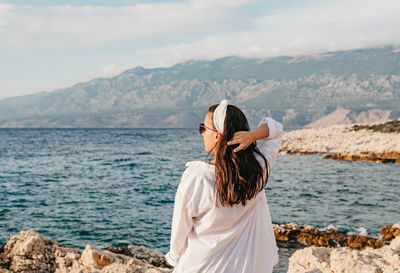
{"type": "Point", "coordinates": [298, 152]}
{"type": "Point", "coordinates": [347, 260]}
{"type": "Point", "coordinates": [28, 251]}
{"type": "Point", "coordinates": [118, 268]}
{"type": "Point", "coordinates": [342, 142]}
{"type": "Point", "coordinates": [94, 258]}
{"type": "Point", "coordinates": [372, 157]}
{"type": "Point", "coordinates": [329, 238]}
{"type": "Point", "coordinates": [143, 254]}
{"type": "Point", "coordinates": [390, 231]}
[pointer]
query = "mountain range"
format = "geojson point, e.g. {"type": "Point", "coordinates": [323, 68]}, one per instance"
{"type": "Point", "coordinates": [361, 85]}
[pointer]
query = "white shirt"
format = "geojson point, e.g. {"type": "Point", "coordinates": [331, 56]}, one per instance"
{"type": "Point", "coordinates": [207, 238]}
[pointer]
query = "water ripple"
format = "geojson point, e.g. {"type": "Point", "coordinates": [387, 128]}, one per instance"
{"type": "Point", "coordinates": [117, 186]}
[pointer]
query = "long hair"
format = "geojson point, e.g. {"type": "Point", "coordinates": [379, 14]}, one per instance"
{"type": "Point", "coordinates": [239, 176]}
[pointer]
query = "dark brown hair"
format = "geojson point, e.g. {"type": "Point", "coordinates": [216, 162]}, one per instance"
{"type": "Point", "coordinates": [239, 176]}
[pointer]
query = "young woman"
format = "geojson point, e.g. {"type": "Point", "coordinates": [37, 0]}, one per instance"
{"type": "Point", "coordinates": [221, 220]}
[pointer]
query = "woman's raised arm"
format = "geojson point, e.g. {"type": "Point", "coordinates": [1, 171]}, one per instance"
{"type": "Point", "coordinates": [268, 135]}
{"type": "Point", "coordinates": [245, 138]}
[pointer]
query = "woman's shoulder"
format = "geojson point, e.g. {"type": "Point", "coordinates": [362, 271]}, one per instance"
{"type": "Point", "coordinates": [198, 178]}
{"type": "Point", "coordinates": [199, 172]}
{"type": "Point", "coordinates": [200, 169]}
{"type": "Point", "coordinates": [198, 163]}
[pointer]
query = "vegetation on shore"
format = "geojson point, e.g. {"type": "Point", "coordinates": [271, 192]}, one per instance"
{"type": "Point", "coordinates": [387, 127]}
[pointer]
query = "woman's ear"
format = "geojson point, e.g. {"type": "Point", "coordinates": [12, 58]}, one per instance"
{"type": "Point", "coordinates": [218, 137]}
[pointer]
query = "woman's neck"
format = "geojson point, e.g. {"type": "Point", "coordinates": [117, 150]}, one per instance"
{"type": "Point", "coordinates": [215, 156]}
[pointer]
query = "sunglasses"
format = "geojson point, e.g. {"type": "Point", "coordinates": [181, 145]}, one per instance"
{"type": "Point", "coordinates": [202, 128]}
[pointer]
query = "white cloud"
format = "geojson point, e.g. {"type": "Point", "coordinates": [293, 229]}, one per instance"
{"type": "Point", "coordinates": [107, 39]}
{"type": "Point", "coordinates": [218, 26]}
{"type": "Point", "coordinates": [313, 28]}
{"type": "Point", "coordinates": [203, 4]}
{"type": "Point", "coordinates": [111, 70]}
{"type": "Point", "coordinates": [72, 27]}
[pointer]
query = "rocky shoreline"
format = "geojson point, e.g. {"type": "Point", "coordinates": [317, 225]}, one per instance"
{"type": "Point", "coordinates": [309, 235]}
{"type": "Point", "coordinates": [349, 260]}
{"type": "Point", "coordinates": [28, 251]}
{"type": "Point", "coordinates": [344, 142]}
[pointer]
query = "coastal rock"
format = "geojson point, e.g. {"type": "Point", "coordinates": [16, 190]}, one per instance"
{"type": "Point", "coordinates": [28, 251]}
{"type": "Point", "coordinates": [142, 254]}
{"type": "Point", "coordinates": [390, 231]}
{"type": "Point", "coordinates": [328, 238]}
{"type": "Point", "coordinates": [94, 258]}
{"type": "Point", "coordinates": [344, 143]}
{"type": "Point", "coordinates": [346, 260]}
{"type": "Point", "coordinates": [365, 156]}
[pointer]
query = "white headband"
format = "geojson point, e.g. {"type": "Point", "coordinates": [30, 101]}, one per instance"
{"type": "Point", "coordinates": [219, 115]}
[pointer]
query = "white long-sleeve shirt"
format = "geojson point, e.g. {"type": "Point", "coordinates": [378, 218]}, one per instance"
{"type": "Point", "coordinates": [238, 239]}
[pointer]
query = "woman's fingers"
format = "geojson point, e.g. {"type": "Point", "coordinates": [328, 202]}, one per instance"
{"type": "Point", "coordinates": [237, 149]}
{"type": "Point", "coordinates": [237, 138]}
{"type": "Point", "coordinates": [243, 138]}
{"type": "Point", "coordinates": [233, 141]}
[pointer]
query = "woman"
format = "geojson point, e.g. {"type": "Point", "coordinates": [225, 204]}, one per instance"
{"type": "Point", "coordinates": [221, 220]}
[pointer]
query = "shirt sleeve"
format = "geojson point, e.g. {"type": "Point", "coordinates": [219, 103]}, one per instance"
{"type": "Point", "coordinates": [269, 147]}
{"type": "Point", "coordinates": [182, 221]}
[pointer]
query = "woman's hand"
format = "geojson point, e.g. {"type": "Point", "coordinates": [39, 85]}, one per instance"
{"type": "Point", "coordinates": [243, 138]}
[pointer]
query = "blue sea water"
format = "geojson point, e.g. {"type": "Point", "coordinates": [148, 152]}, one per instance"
{"type": "Point", "coordinates": [113, 187]}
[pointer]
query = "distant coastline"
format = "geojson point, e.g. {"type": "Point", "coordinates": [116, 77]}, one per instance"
{"type": "Point", "coordinates": [375, 143]}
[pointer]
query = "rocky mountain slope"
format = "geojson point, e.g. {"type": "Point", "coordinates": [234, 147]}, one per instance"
{"type": "Point", "coordinates": [296, 90]}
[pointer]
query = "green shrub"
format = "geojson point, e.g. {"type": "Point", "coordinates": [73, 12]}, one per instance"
{"type": "Point", "coordinates": [387, 127]}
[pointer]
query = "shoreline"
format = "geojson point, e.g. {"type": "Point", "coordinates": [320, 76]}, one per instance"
{"type": "Point", "coordinates": [344, 142]}
{"type": "Point", "coordinates": [363, 156]}
{"type": "Point", "coordinates": [346, 259]}
{"type": "Point", "coordinates": [29, 251]}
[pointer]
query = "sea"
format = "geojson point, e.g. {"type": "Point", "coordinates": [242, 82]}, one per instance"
{"type": "Point", "coordinates": [116, 187]}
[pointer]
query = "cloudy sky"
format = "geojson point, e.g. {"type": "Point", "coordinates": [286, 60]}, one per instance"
{"type": "Point", "coordinates": [50, 44]}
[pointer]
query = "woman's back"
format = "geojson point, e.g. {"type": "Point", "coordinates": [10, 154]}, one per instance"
{"type": "Point", "coordinates": [214, 238]}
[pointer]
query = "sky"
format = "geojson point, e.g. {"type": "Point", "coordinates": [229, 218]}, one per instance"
{"type": "Point", "coordinates": [51, 44]}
